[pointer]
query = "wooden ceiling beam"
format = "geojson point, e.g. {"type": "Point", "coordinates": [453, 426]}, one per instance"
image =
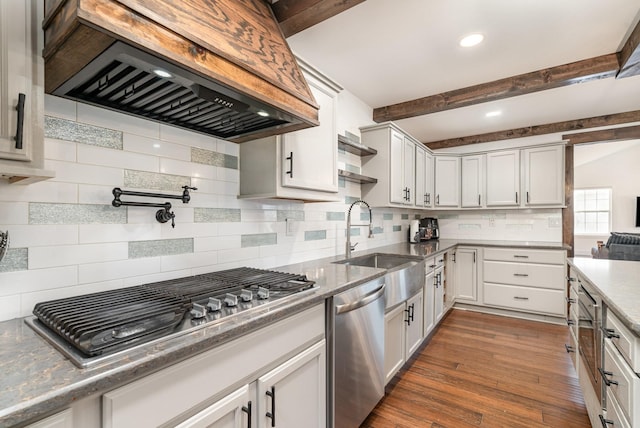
{"type": "Point", "coordinates": [630, 55]}
{"type": "Point", "coordinates": [614, 134]}
{"type": "Point", "coordinates": [297, 15]}
{"type": "Point", "coordinates": [550, 128]}
{"type": "Point", "coordinates": [600, 67]}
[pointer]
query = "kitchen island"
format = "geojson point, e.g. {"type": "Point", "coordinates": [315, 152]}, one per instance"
{"type": "Point", "coordinates": [39, 381]}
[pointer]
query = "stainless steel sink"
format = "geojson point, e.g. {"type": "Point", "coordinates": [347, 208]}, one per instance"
{"type": "Point", "coordinates": [404, 278]}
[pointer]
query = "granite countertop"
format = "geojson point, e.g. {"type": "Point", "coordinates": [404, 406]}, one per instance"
{"type": "Point", "coordinates": [37, 380]}
{"type": "Point", "coordinates": [618, 282]}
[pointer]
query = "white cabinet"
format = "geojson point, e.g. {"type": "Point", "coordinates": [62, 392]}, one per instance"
{"type": "Point", "coordinates": [403, 334]}
{"type": "Point", "coordinates": [21, 92]}
{"type": "Point", "coordinates": [429, 300]}
{"type": "Point", "coordinates": [424, 178]}
{"type": "Point", "coordinates": [62, 419]}
{"type": "Point", "coordinates": [199, 387]}
{"type": "Point", "coordinates": [233, 411]}
{"type": "Point", "coordinates": [439, 294]}
{"type": "Point", "coordinates": [525, 280]}
{"type": "Point", "coordinates": [447, 181]}
{"type": "Point", "coordinates": [466, 274]}
{"type": "Point", "coordinates": [503, 178]}
{"type": "Point", "coordinates": [472, 192]}
{"type": "Point", "coordinates": [394, 166]}
{"type": "Point", "coordinates": [543, 169]}
{"type": "Point", "coordinates": [294, 394]}
{"type": "Point", "coordinates": [300, 165]}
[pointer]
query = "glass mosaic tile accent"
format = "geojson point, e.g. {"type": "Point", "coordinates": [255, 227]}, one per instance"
{"type": "Point", "coordinates": [336, 216]}
{"type": "Point", "coordinates": [387, 216]}
{"type": "Point", "coordinates": [258, 239]}
{"type": "Point", "coordinates": [397, 228]}
{"type": "Point", "coordinates": [216, 215]}
{"type": "Point", "coordinates": [209, 157]}
{"type": "Point", "coordinates": [15, 259]}
{"type": "Point", "coordinates": [315, 235]}
{"type": "Point", "coordinates": [155, 181]}
{"type": "Point", "coordinates": [68, 130]}
{"type": "Point", "coordinates": [160, 247]}
{"type": "Point", "coordinates": [43, 213]}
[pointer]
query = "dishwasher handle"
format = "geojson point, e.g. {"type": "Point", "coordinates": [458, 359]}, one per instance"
{"type": "Point", "coordinates": [351, 306]}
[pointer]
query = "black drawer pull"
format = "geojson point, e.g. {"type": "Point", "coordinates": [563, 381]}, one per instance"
{"type": "Point", "coordinates": [570, 322]}
{"type": "Point", "coordinates": [521, 274]}
{"type": "Point", "coordinates": [20, 124]}
{"type": "Point", "coordinates": [569, 348]}
{"type": "Point", "coordinates": [520, 257]}
{"type": "Point", "coordinates": [604, 421]}
{"type": "Point", "coordinates": [290, 159]}
{"type": "Point", "coordinates": [520, 298]}
{"type": "Point", "coordinates": [247, 410]}
{"type": "Point", "coordinates": [606, 380]}
{"type": "Point", "coordinates": [272, 413]}
{"type": "Point", "coordinates": [570, 300]}
{"type": "Point", "coordinates": [610, 333]}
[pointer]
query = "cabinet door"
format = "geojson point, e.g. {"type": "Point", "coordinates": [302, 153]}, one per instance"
{"type": "Point", "coordinates": [232, 411]}
{"type": "Point", "coordinates": [428, 303]}
{"type": "Point", "coordinates": [472, 180]}
{"type": "Point", "coordinates": [466, 274]}
{"type": "Point", "coordinates": [438, 304]}
{"type": "Point", "coordinates": [394, 342]}
{"type": "Point", "coordinates": [17, 65]}
{"type": "Point", "coordinates": [309, 156]}
{"type": "Point", "coordinates": [414, 324]}
{"type": "Point", "coordinates": [503, 178]}
{"type": "Point", "coordinates": [421, 192]}
{"type": "Point", "coordinates": [447, 182]}
{"type": "Point", "coordinates": [428, 179]}
{"type": "Point", "coordinates": [63, 419]}
{"type": "Point", "coordinates": [293, 394]}
{"type": "Point", "coordinates": [544, 175]}
{"type": "Point", "coordinates": [409, 170]}
{"type": "Point", "coordinates": [397, 187]}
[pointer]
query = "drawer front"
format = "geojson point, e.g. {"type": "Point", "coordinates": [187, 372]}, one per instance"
{"type": "Point", "coordinates": [614, 414]}
{"type": "Point", "coordinates": [430, 265]}
{"type": "Point", "coordinates": [625, 385]}
{"type": "Point", "coordinates": [628, 343]}
{"type": "Point", "coordinates": [525, 298]}
{"type": "Point", "coordinates": [439, 260]}
{"type": "Point", "coordinates": [554, 257]}
{"type": "Point", "coordinates": [572, 349]}
{"type": "Point", "coordinates": [525, 274]}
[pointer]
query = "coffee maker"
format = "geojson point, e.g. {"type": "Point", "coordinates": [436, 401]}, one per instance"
{"type": "Point", "coordinates": [430, 225]}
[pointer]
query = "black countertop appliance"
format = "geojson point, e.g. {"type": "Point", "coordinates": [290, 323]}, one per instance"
{"type": "Point", "coordinates": [430, 224]}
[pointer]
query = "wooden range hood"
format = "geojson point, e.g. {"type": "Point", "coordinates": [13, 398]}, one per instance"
{"type": "Point", "coordinates": [233, 75]}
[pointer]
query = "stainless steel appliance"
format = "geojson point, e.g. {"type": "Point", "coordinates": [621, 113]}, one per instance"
{"type": "Point", "coordinates": [357, 362]}
{"type": "Point", "coordinates": [589, 334]}
{"type": "Point", "coordinates": [95, 327]}
{"type": "Point", "coordinates": [431, 229]}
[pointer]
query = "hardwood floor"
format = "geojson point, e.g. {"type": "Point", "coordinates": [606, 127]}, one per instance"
{"type": "Point", "coordinates": [481, 370]}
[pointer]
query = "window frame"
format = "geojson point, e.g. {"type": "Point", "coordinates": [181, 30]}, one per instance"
{"type": "Point", "coordinates": [610, 211]}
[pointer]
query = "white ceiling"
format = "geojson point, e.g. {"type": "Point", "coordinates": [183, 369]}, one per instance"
{"type": "Point", "coordinates": [387, 52]}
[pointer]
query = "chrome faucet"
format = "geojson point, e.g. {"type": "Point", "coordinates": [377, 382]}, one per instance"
{"type": "Point", "coordinates": [349, 247]}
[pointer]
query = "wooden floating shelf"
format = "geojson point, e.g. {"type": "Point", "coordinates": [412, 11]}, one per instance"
{"type": "Point", "coordinates": [354, 147]}
{"type": "Point", "coordinates": [356, 178]}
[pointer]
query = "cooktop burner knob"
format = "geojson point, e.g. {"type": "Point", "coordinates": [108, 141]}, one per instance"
{"type": "Point", "coordinates": [198, 311]}
{"type": "Point", "coordinates": [246, 295]}
{"type": "Point", "coordinates": [214, 304]}
{"type": "Point", "coordinates": [263, 293]}
{"type": "Point", "coordinates": [231, 300]}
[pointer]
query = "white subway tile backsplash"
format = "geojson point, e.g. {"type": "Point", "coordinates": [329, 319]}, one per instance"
{"type": "Point", "coordinates": [41, 235]}
{"type": "Point", "coordinates": [60, 107]}
{"type": "Point", "coordinates": [189, 169]}
{"type": "Point", "coordinates": [239, 255]}
{"type": "Point", "coordinates": [95, 233]}
{"type": "Point", "coordinates": [92, 155]}
{"type": "Point", "coordinates": [62, 255]}
{"type": "Point", "coordinates": [88, 174]}
{"type": "Point", "coordinates": [114, 120]}
{"type": "Point", "coordinates": [155, 277]}
{"type": "Point", "coordinates": [13, 212]}
{"type": "Point", "coordinates": [214, 243]}
{"type": "Point", "coordinates": [95, 272]}
{"type": "Point", "coordinates": [155, 147]}
{"type": "Point", "coordinates": [43, 191]}
{"type": "Point", "coordinates": [26, 281]}
{"type": "Point", "coordinates": [187, 138]}
{"type": "Point", "coordinates": [59, 150]}
{"type": "Point", "coordinates": [10, 307]}
{"type": "Point", "coordinates": [189, 261]}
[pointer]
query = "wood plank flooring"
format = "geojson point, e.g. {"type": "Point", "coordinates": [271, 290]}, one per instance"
{"type": "Point", "coordinates": [481, 370]}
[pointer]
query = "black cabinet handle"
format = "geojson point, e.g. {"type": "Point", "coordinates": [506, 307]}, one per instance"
{"type": "Point", "coordinates": [569, 348]}
{"type": "Point", "coordinates": [610, 333]}
{"type": "Point", "coordinates": [606, 380]}
{"type": "Point", "coordinates": [527, 197]}
{"type": "Point", "coordinates": [474, 257]}
{"type": "Point", "coordinates": [521, 274]}
{"type": "Point", "coordinates": [20, 125]}
{"type": "Point", "coordinates": [516, 197]}
{"type": "Point", "coordinates": [438, 199]}
{"type": "Point", "coordinates": [428, 198]}
{"type": "Point", "coordinates": [604, 421]}
{"type": "Point", "coordinates": [570, 300]}
{"type": "Point", "coordinates": [520, 298]}
{"type": "Point", "coordinates": [272, 413]}
{"type": "Point", "coordinates": [408, 193]}
{"type": "Point", "coordinates": [570, 322]}
{"type": "Point", "coordinates": [412, 308]}
{"type": "Point", "coordinates": [247, 410]}
{"type": "Point", "coordinates": [290, 159]}
{"type": "Point", "coordinates": [479, 200]}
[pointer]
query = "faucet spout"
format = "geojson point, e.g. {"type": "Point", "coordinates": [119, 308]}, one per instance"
{"type": "Point", "coordinates": [348, 246]}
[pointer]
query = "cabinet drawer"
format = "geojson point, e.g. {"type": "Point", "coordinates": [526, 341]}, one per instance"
{"type": "Point", "coordinates": [525, 274]}
{"type": "Point", "coordinates": [554, 257]}
{"type": "Point", "coordinates": [628, 343]}
{"type": "Point", "coordinates": [625, 385]}
{"type": "Point", "coordinates": [525, 298]}
{"type": "Point", "coordinates": [430, 265]}
{"type": "Point", "coordinates": [439, 259]}
{"type": "Point", "coordinates": [614, 413]}
{"type": "Point", "coordinates": [572, 348]}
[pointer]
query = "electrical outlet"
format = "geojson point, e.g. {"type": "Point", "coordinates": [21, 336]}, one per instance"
{"type": "Point", "coordinates": [492, 221]}
{"type": "Point", "coordinates": [290, 227]}
{"type": "Point", "coordinates": [555, 222]}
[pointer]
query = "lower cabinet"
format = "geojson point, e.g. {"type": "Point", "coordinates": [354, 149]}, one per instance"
{"type": "Point", "coordinates": [402, 334]}
{"type": "Point", "coordinates": [275, 376]}
{"type": "Point", "coordinates": [466, 274]}
{"type": "Point", "coordinates": [428, 317]}
{"type": "Point", "coordinates": [62, 419]}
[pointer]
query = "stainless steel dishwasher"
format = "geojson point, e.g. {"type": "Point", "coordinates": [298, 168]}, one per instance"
{"type": "Point", "coordinates": [357, 372]}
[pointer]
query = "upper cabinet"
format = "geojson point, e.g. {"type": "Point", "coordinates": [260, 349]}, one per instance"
{"type": "Point", "coordinates": [503, 178]}
{"type": "Point", "coordinates": [394, 166]}
{"type": "Point", "coordinates": [447, 181]}
{"type": "Point", "coordinates": [543, 172]}
{"type": "Point", "coordinates": [424, 178]}
{"type": "Point", "coordinates": [21, 93]}
{"type": "Point", "coordinates": [472, 193]}
{"type": "Point", "coordinates": [300, 165]}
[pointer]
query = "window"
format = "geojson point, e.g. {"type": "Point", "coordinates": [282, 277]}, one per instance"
{"type": "Point", "coordinates": [592, 211]}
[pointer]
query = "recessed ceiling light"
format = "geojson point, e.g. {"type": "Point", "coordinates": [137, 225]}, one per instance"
{"type": "Point", "coordinates": [162, 73]}
{"type": "Point", "coordinates": [471, 40]}
{"type": "Point", "coordinates": [263, 113]}
{"type": "Point", "coordinates": [493, 113]}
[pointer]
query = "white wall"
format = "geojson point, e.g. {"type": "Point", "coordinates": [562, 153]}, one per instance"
{"type": "Point", "coordinates": [615, 165]}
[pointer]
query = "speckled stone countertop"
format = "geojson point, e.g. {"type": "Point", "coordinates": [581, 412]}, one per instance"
{"type": "Point", "coordinates": [619, 284]}
{"type": "Point", "coordinates": [37, 380]}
